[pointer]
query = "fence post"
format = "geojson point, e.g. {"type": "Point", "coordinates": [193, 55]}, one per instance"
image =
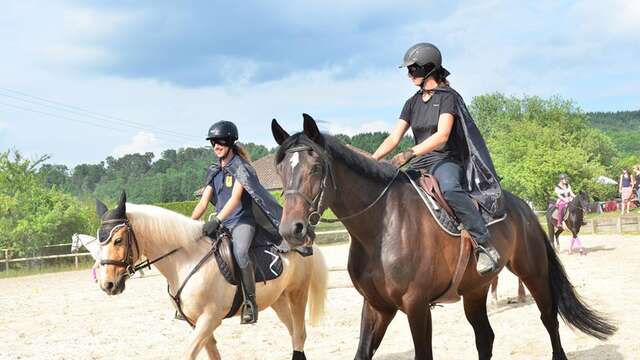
{"type": "Point", "coordinates": [593, 226]}
{"type": "Point", "coordinates": [619, 225]}
{"type": "Point", "coordinates": [76, 261]}
{"type": "Point", "coordinates": [6, 260]}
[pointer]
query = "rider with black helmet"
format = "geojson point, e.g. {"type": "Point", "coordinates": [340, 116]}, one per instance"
{"type": "Point", "coordinates": [233, 188]}
{"type": "Point", "coordinates": [449, 146]}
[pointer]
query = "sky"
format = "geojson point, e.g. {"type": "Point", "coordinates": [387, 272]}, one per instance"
{"type": "Point", "coordinates": [83, 80]}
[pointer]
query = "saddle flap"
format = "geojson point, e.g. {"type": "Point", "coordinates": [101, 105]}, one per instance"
{"type": "Point", "coordinates": [429, 184]}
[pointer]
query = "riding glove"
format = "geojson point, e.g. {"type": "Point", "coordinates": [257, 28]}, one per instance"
{"type": "Point", "coordinates": [210, 228]}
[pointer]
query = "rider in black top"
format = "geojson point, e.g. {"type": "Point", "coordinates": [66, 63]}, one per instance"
{"type": "Point", "coordinates": [432, 114]}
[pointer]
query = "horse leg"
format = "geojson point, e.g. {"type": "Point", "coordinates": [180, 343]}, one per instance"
{"type": "Point", "coordinates": [521, 294]}
{"type": "Point", "coordinates": [211, 348]}
{"type": "Point", "coordinates": [494, 291]}
{"type": "Point", "coordinates": [475, 309]}
{"type": "Point", "coordinates": [373, 325]}
{"type": "Point", "coordinates": [202, 332]}
{"type": "Point", "coordinates": [541, 291]}
{"type": "Point", "coordinates": [298, 305]}
{"type": "Point", "coordinates": [283, 310]}
{"type": "Point", "coordinates": [419, 315]}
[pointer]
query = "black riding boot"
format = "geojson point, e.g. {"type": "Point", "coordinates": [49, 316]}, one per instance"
{"type": "Point", "coordinates": [249, 312]}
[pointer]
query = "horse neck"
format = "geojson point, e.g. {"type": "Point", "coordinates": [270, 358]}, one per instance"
{"type": "Point", "coordinates": [355, 193]}
{"type": "Point", "coordinates": [170, 266]}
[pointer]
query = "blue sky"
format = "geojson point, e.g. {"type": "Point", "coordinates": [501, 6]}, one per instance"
{"type": "Point", "coordinates": [74, 75]}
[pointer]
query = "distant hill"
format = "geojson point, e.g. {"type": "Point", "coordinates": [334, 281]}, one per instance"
{"type": "Point", "coordinates": [622, 126]}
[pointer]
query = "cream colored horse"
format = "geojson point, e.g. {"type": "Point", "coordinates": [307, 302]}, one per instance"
{"type": "Point", "coordinates": [207, 297]}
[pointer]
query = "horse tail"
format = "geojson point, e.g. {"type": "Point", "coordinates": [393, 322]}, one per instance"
{"type": "Point", "coordinates": [568, 303]}
{"type": "Point", "coordinates": [317, 286]}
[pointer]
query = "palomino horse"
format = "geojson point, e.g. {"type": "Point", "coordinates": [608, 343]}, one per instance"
{"type": "Point", "coordinates": [575, 209]}
{"type": "Point", "coordinates": [400, 259]}
{"type": "Point", "coordinates": [130, 230]}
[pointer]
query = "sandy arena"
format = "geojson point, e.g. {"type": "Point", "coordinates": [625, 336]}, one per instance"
{"type": "Point", "coordinates": [66, 316]}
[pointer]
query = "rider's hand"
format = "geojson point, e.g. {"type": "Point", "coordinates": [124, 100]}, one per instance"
{"type": "Point", "coordinates": [210, 228]}
{"type": "Point", "coordinates": [403, 158]}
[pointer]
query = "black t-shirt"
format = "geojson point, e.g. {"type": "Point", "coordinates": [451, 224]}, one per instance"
{"type": "Point", "coordinates": [423, 118]}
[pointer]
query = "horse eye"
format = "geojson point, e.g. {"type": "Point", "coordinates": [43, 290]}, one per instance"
{"type": "Point", "coordinates": [117, 240]}
{"type": "Point", "coordinates": [315, 169]}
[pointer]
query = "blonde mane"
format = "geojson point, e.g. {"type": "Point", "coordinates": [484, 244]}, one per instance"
{"type": "Point", "coordinates": [162, 227]}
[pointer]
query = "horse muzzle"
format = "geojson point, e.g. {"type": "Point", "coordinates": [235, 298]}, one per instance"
{"type": "Point", "coordinates": [294, 232]}
{"type": "Point", "coordinates": [114, 287]}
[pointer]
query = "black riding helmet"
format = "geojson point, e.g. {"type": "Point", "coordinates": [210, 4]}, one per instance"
{"type": "Point", "coordinates": [563, 176]}
{"type": "Point", "coordinates": [223, 130]}
{"type": "Point", "coordinates": [424, 59]}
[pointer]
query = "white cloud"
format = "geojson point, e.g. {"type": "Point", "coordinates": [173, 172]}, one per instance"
{"type": "Point", "coordinates": [140, 143]}
{"type": "Point", "coordinates": [344, 127]}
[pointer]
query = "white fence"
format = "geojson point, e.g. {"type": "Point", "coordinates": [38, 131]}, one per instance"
{"type": "Point", "coordinates": [7, 260]}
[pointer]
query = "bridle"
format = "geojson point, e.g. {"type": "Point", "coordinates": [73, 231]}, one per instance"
{"type": "Point", "coordinates": [315, 209]}
{"type": "Point", "coordinates": [315, 204]}
{"type": "Point", "coordinates": [127, 262]}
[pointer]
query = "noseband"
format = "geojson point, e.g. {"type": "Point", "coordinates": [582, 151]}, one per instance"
{"type": "Point", "coordinates": [127, 261]}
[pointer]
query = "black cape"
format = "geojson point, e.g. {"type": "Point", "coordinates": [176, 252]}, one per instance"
{"type": "Point", "coordinates": [265, 208]}
{"type": "Point", "coordinates": [482, 179]}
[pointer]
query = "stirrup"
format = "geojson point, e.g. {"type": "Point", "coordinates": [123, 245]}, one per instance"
{"type": "Point", "coordinates": [494, 264]}
{"type": "Point", "coordinates": [248, 313]}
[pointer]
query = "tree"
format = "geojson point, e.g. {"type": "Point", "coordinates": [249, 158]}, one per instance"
{"type": "Point", "coordinates": [533, 140]}
{"type": "Point", "coordinates": [31, 213]}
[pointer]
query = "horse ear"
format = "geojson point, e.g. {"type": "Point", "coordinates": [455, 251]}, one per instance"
{"type": "Point", "coordinates": [121, 210]}
{"type": "Point", "coordinates": [101, 208]}
{"type": "Point", "coordinates": [311, 129]}
{"type": "Point", "coordinates": [279, 134]}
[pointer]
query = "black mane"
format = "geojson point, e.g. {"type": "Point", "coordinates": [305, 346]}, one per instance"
{"type": "Point", "coordinates": [382, 172]}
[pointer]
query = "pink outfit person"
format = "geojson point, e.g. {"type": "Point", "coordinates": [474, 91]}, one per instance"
{"type": "Point", "coordinates": [565, 195]}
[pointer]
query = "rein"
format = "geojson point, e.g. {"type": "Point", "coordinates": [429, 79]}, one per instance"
{"type": "Point", "coordinates": [127, 261]}
{"type": "Point", "coordinates": [315, 207]}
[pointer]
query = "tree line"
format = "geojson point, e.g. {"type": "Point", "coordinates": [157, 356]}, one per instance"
{"type": "Point", "coordinates": [532, 140]}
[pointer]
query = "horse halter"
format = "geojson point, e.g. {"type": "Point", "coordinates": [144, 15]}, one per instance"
{"type": "Point", "coordinates": [127, 261]}
{"type": "Point", "coordinates": [315, 204]}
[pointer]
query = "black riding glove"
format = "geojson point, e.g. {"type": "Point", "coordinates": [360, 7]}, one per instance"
{"type": "Point", "coordinates": [210, 228]}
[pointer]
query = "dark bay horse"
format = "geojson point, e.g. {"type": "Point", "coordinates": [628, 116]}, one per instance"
{"type": "Point", "coordinates": [575, 209]}
{"type": "Point", "coordinates": [400, 259]}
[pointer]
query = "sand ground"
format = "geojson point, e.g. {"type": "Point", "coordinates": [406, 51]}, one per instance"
{"type": "Point", "coordinates": [66, 316]}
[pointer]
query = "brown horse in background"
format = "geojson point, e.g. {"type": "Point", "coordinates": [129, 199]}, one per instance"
{"type": "Point", "coordinates": [400, 259]}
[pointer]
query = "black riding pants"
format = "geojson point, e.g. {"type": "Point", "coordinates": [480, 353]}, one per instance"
{"type": "Point", "coordinates": [242, 238]}
{"type": "Point", "coordinates": [450, 175]}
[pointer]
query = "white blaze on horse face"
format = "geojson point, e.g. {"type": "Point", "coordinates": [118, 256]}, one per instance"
{"type": "Point", "coordinates": [294, 161]}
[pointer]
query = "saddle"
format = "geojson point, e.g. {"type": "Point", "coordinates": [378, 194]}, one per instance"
{"type": "Point", "coordinates": [266, 256]}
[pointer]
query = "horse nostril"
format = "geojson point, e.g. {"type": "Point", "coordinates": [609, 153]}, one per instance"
{"type": "Point", "coordinates": [298, 229]}
{"type": "Point", "coordinates": [108, 285]}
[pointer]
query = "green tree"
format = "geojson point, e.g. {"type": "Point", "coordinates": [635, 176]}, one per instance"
{"type": "Point", "coordinates": [533, 140]}
{"type": "Point", "coordinates": [31, 213]}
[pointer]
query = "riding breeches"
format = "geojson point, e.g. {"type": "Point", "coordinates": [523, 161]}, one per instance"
{"type": "Point", "coordinates": [242, 235]}
{"type": "Point", "coordinates": [450, 175]}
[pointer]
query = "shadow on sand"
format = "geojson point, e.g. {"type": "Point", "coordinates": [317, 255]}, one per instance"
{"type": "Point", "coordinates": [599, 352]}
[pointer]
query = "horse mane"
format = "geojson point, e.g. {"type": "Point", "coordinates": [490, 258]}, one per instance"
{"type": "Point", "coordinates": [382, 172]}
{"type": "Point", "coordinates": [162, 226]}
